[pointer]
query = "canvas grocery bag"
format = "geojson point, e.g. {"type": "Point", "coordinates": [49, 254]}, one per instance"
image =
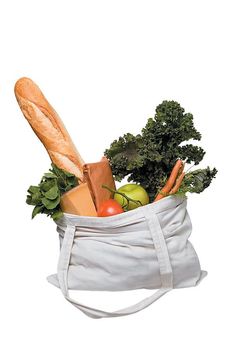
{"type": "Point", "coordinates": [146, 248]}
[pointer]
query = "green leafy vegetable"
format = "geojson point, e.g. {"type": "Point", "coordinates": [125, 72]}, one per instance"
{"type": "Point", "coordinates": [149, 157]}
{"type": "Point", "coordinates": [52, 193]}
{"type": "Point", "coordinates": [46, 196]}
{"type": "Point", "coordinates": [196, 181]}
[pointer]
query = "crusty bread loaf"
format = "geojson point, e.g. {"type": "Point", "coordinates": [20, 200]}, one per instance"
{"type": "Point", "coordinates": [48, 126]}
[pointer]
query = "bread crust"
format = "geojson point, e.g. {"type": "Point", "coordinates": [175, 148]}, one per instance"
{"type": "Point", "coordinates": [48, 126]}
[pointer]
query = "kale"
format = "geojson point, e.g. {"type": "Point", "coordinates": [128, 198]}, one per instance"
{"type": "Point", "coordinates": [46, 196]}
{"type": "Point", "coordinates": [196, 181]}
{"type": "Point", "coordinates": [149, 157]}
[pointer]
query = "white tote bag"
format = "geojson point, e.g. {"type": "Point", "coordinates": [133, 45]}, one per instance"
{"type": "Point", "coordinates": [145, 248]}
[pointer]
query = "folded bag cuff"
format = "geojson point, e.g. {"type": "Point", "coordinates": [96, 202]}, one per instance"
{"type": "Point", "coordinates": [164, 204]}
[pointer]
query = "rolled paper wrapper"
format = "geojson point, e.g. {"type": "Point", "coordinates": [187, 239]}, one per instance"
{"type": "Point", "coordinates": [96, 175]}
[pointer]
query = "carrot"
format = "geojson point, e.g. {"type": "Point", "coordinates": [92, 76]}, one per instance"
{"type": "Point", "coordinates": [181, 168]}
{"type": "Point", "coordinates": [171, 180]}
{"type": "Point", "coordinates": [177, 184]}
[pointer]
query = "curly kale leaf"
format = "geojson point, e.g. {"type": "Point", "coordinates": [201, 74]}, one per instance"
{"type": "Point", "coordinates": [149, 157]}
{"type": "Point", "coordinates": [191, 153]}
{"type": "Point", "coordinates": [46, 196]}
{"type": "Point", "coordinates": [125, 155]}
{"type": "Point", "coordinates": [197, 181]}
{"type": "Point", "coordinates": [171, 125]}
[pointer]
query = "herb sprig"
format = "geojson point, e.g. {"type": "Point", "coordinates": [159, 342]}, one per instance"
{"type": "Point", "coordinates": [46, 196]}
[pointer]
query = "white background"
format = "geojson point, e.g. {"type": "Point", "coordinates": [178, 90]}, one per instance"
{"type": "Point", "coordinates": [104, 66]}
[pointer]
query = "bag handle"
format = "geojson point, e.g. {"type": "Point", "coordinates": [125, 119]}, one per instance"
{"type": "Point", "coordinates": [163, 259]}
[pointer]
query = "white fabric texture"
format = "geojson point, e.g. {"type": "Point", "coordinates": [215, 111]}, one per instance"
{"type": "Point", "coordinates": [144, 248]}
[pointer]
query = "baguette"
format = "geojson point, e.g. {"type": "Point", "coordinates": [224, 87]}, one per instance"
{"type": "Point", "coordinates": [48, 126]}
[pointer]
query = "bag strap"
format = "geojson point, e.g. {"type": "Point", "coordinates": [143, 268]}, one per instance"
{"type": "Point", "coordinates": [160, 247]}
{"type": "Point", "coordinates": [163, 259]}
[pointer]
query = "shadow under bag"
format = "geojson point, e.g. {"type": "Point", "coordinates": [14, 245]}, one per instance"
{"type": "Point", "coordinates": [145, 248]}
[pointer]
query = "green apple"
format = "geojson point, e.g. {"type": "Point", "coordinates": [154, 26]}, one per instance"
{"type": "Point", "coordinates": [132, 191]}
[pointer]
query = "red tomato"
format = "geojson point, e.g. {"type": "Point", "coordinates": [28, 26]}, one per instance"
{"type": "Point", "coordinates": [110, 207]}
